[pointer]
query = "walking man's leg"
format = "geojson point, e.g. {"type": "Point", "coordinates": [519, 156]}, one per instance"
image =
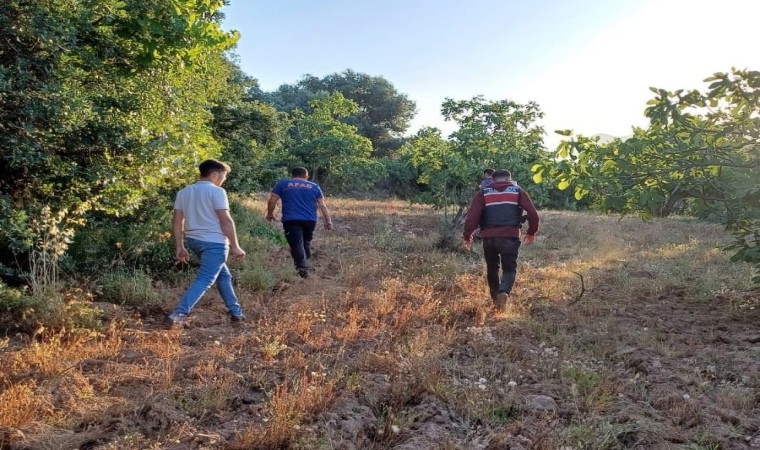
{"type": "Point", "coordinates": [308, 235]}
{"type": "Point", "coordinates": [212, 257]}
{"type": "Point", "coordinates": [227, 292]}
{"type": "Point", "coordinates": [509, 251]}
{"type": "Point", "coordinates": [295, 237]}
{"type": "Point", "coordinates": [492, 257]}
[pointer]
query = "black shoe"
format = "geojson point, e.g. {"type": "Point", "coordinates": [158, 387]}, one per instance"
{"type": "Point", "coordinates": [170, 323]}
{"type": "Point", "coordinates": [303, 273]}
{"type": "Point", "coordinates": [235, 320]}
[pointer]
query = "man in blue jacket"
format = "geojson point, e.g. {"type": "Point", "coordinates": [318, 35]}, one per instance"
{"type": "Point", "coordinates": [487, 178]}
{"type": "Point", "coordinates": [300, 200]}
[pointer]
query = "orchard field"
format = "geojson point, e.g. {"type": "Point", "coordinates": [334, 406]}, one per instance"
{"type": "Point", "coordinates": [621, 333]}
{"type": "Point", "coordinates": [392, 344]}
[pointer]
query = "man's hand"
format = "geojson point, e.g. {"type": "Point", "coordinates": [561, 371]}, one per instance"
{"type": "Point", "coordinates": [467, 244]}
{"type": "Point", "coordinates": [272, 206]}
{"type": "Point", "coordinates": [328, 225]}
{"type": "Point", "coordinates": [528, 239]}
{"type": "Point", "coordinates": [237, 253]}
{"type": "Point", "coordinates": [182, 255]}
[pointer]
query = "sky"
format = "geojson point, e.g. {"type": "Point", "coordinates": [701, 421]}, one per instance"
{"type": "Point", "coordinates": [587, 63]}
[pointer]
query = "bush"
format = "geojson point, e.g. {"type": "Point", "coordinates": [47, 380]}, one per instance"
{"type": "Point", "coordinates": [449, 236]}
{"type": "Point", "coordinates": [255, 277]}
{"type": "Point", "coordinates": [128, 287]}
{"type": "Point", "coordinates": [401, 178]}
{"type": "Point", "coordinates": [141, 242]}
{"type": "Point", "coordinates": [13, 303]}
{"type": "Point", "coordinates": [24, 311]}
{"type": "Point", "coordinates": [251, 225]}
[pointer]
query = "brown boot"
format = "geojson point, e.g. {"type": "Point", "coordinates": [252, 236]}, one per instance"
{"type": "Point", "coordinates": [501, 301]}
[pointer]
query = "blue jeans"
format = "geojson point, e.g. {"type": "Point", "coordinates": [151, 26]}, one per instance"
{"type": "Point", "coordinates": [213, 269]}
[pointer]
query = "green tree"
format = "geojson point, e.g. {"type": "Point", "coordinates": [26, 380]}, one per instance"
{"type": "Point", "coordinates": [499, 134]}
{"type": "Point", "coordinates": [288, 97]}
{"type": "Point", "coordinates": [102, 104]}
{"type": "Point", "coordinates": [698, 155]}
{"type": "Point", "coordinates": [333, 151]}
{"type": "Point", "coordinates": [251, 134]}
{"type": "Point", "coordinates": [383, 113]}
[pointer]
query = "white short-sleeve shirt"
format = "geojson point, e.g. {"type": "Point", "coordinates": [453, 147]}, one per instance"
{"type": "Point", "coordinates": [199, 203]}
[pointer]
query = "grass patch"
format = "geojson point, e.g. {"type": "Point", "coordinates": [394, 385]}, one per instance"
{"type": "Point", "coordinates": [130, 288]}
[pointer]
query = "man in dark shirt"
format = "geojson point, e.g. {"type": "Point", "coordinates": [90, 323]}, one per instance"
{"type": "Point", "coordinates": [487, 178]}
{"type": "Point", "coordinates": [300, 199]}
{"type": "Point", "coordinates": [497, 209]}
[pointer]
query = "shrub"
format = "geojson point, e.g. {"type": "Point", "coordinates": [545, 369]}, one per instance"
{"type": "Point", "coordinates": [20, 309]}
{"type": "Point", "coordinates": [143, 241]}
{"type": "Point", "coordinates": [255, 277]}
{"type": "Point", "coordinates": [128, 287]}
{"type": "Point", "coordinates": [11, 300]}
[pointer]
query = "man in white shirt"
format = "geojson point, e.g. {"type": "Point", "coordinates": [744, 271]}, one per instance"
{"type": "Point", "coordinates": [202, 219]}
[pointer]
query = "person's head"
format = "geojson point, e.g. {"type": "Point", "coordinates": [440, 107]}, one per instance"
{"type": "Point", "coordinates": [502, 175]}
{"type": "Point", "coordinates": [488, 173]}
{"type": "Point", "coordinates": [214, 171]}
{"type": "Point", "coordinates": [299, 172]}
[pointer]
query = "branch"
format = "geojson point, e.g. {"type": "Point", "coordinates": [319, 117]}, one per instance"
{"type": "Point", "coordinates": [583, 289]}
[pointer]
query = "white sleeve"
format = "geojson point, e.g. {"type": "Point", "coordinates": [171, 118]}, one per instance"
{"type": "Point", "coordinates": [220, 199]}
{"type": "Point", "coordinates": [178, 201]}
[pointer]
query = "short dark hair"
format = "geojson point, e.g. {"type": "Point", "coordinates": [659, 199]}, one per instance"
{"type": "Point", "coordinates": [299, 172]}
{"type": "Point", "coordinates": [502, 174]}
{"type": "Point", "coordinates": [211, 165]}
{"type": "Point", "coordinates": [488, 172]}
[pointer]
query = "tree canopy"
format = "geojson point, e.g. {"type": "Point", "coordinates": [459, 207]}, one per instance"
{"type": "Point", "coordinates": [699, 156]}
{"type": "Point", "coordinates": [102, 104]}
{"type": "Point", "coordinates": [382, 115]}
{"type": "Point", "coordinates": [332, 150]}
{"type": "Point", "coordinates": [499, 134]}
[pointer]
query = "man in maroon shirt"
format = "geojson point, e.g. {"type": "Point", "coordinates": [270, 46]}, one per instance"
{"type": "Point", "coordinates": [498, 210]}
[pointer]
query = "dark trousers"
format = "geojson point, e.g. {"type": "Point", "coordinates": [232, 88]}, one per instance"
{"type": "Point", "coordinates": [500, 252]}
{"type": "Point", "coordinates": [299, 234]}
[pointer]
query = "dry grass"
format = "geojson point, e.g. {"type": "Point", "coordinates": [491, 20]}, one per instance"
{"type": "Point", "coordinates": [271, 347]}
{"type": "Point", "coordinates": [20, 404]}
{"type": "Point", "coordinates": [394, 342]}
{"type": "Point", "coordinates": [287, 408]}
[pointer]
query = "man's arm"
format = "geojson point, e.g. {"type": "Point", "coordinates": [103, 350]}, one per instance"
{"type": "Point", "coordinates": [325, 213]}
{"type": "Point", "coordinates": [526, 204]}
{"type": "Point", "coordinates": [472, 219]}
{"type": "Point", "coordinates": [178, 226]}
{"type": "Point", "coordinates": [228, 228]}
{"type": "Point", "coordinates": [272, 205]}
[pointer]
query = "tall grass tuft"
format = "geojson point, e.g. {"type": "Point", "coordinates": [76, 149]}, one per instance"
{"type": "Point", "coordinates": [128, 287]}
